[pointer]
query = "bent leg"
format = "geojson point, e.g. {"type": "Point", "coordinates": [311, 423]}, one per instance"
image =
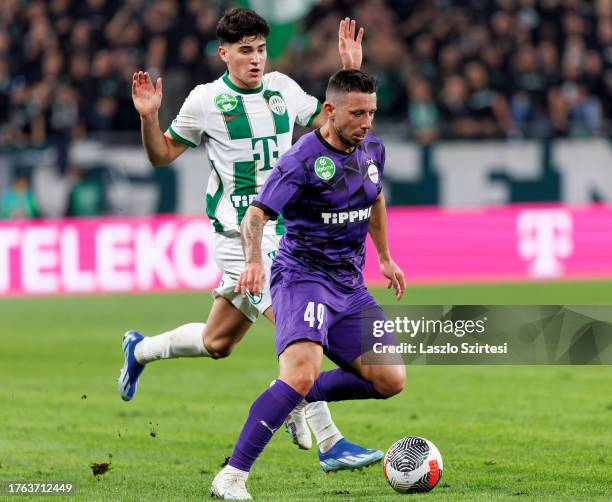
{"type": "Point", "coordinates": [359, 381]}
{"type": "Point", "coordinates": [363, 381]}
{"type": "Point", "coordinates": [348, 341]}
{"type": "Point", "coordinates": [300, 363]}
{"type": "Point", "coordinates": [225, 327]}
{"type": "Point", "coordinates": [183, 341]}
{"type": "Point", "coordinates": [387, 379]}
{"type": "Point", "coordinates": [342, 384]}
{"type": "Point", "coordinates": [316, 415]}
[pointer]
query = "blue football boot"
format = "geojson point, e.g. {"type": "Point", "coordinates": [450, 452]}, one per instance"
{"type": "Point", "coordinates": [128, 377]}
{"type": "Point", "coordinates": [346, 455]}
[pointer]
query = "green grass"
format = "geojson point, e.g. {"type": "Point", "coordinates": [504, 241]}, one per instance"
{"type": "Point", "coordinates": [505, 433]}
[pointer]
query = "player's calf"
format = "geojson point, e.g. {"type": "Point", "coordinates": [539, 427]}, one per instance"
{"type": "Point", "coordinates": [220, 348]}
{"type": "Point", "coordinates": [387, 380]}
{"type": "Point", "coordinates": [226, 326]}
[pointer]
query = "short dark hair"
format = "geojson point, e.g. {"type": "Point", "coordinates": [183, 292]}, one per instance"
{"type": "Point", "coordinates": [239, 23]}
{"type": "Point", "coordinates": [352, 81]}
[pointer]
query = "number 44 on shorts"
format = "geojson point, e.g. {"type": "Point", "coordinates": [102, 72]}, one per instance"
{"type": "Point", "coordinates": [309, 314]}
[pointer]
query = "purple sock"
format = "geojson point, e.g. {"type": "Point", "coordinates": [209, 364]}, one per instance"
{"type": "Point", "coordinates": [341, 385]}
{"type": "Point", "coordinates": [265, 416]}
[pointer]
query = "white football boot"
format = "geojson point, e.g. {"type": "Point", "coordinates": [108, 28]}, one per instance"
{"type": "Point", "coordinates": [297, 427]}
{"type": "Point", "coordinates": [230, 484]}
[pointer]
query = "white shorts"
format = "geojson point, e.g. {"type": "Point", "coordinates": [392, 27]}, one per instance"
{"type": "Point", "coordinates": [229, 256]}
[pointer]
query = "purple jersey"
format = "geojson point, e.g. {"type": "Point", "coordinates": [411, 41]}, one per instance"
{"type": "Point", "coordinates": [326, 197]}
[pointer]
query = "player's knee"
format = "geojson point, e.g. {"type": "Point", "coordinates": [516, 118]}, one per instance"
{"type": "Point", "coordinates": [302, 381]}
{"type": "Point", "coordinates": [391, 382]}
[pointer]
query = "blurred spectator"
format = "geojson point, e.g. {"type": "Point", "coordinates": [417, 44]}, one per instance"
{"type": "Point", "coordinates": [528, 92]}
{"type": "Point", "coordinates": [487, 107]}
{"type": "Point", "coordinates": [422, 111]}
{"type": "Point", "coordinates": [474, 69]}
{"type": "Point", "coordinates": [391, 101]}
{"type": "Point", "coordinates": [449, 60]}
{"type": "Point", "coordinates": [18, 200]}
{"type": "Point", "coordinates": [86, 197]}
{"type": "Point", "coordinates": [424, 60]}
{"type": "Point", "coordinates": [455, 117]}
{"type": "Point", "coordinates": [585, 113]}
{"type": "Point", "coordinates": [62, 119]}
{"type": "Point", "coordinates": [24, 126]}
{"type": "Point", "coordinates": [386, 57]}
{"type": "Point", "coordinates": [574, 111]}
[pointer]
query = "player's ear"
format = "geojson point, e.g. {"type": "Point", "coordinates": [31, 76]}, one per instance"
{"type": "Point", "coordinates": [222, 50]}
{"type": "Point", "coordinates": [329, 109]}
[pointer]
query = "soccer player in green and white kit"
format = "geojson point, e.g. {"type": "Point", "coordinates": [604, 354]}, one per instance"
{"type": "Point", "coordinates": [246, 119]}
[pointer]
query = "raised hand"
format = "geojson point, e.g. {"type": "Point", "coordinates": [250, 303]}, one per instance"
{"type": "Point", "coordinates": [146, 96]}
{"type": "Point", "coordinates": [349, 46]}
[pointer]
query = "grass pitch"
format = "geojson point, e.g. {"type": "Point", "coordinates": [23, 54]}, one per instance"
{"type": "Point", "coordinates": [505, 433]}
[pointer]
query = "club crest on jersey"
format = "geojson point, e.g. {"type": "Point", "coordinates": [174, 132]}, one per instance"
{"type": "Point", "coordinates": [325, 168]}
{"type": "Point", "coordinates": [372, 170]}
{"type": "Point", "coordinates": [277, 105]}
{"type": "Point", "coordinates": [344, 217]}
{"type": "Point", "coordinates": [225, 102]}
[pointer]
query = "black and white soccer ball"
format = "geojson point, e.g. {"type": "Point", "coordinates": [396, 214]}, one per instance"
{"type": "Point", "coordinates": [413, 465]}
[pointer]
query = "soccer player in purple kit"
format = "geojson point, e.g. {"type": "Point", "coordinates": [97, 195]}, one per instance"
{"type": "Point", "coordinates": [328, 187]}
{"type": "Point", "coordinates": [246, 119]}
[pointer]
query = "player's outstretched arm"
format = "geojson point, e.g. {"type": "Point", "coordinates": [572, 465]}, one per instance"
{"type": "Point", "coordinates": [378, 231]}
{"type": "Point", "coordinates": [147, 98]}
{"type": "Point", "coordinates": [251, 231]}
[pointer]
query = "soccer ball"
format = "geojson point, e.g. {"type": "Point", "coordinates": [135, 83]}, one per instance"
{"type": "Point", "coordinates": [413, 465]}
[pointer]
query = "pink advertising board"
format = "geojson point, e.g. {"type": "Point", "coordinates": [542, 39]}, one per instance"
{"type": "Point", "coordinates": [108, 255]}
{"type": "Point", "coordinates": [496, 244]}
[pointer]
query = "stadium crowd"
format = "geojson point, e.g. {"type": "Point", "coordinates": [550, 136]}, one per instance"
{"type": "Point", "coordinates": [479, 68]}
{"type": "Point", "coordinates": [449, 69]}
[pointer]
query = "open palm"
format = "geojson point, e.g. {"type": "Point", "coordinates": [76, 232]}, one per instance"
{"type": "Point", "coordinates": [349, 45]}
{"type": "Point", "coordinates": [146, 96]}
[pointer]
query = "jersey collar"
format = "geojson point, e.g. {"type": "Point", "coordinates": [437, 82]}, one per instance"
{"type": "Point", "coordinates": [235, 88]}
{"type": "Point", "coordinates": [330, 146]}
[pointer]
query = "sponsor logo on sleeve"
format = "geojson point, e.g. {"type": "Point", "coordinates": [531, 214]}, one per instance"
{"type": "Point", "coordinates": [372, 171]}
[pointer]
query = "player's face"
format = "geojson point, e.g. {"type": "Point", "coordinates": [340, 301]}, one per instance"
{"type": "Point", "coordinates": [245, 61]}
{"type": "Point", "coordinates": [352, 117]}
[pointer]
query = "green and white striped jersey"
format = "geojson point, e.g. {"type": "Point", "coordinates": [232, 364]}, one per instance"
{"type": "Point", "coordinates": [245, 131]}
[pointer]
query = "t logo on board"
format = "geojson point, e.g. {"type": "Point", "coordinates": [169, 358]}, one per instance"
{"type": "Point", "coordinates": [545, 237]}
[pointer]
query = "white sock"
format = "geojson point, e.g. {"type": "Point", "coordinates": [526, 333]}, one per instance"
{"type": "Point", "coordinates": [184, 341]}
{"type": "Point", "coordinates": [322, 426]}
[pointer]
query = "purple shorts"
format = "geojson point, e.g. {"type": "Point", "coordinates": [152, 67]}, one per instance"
{"type": "Point", "coordinates": [320, 311]}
